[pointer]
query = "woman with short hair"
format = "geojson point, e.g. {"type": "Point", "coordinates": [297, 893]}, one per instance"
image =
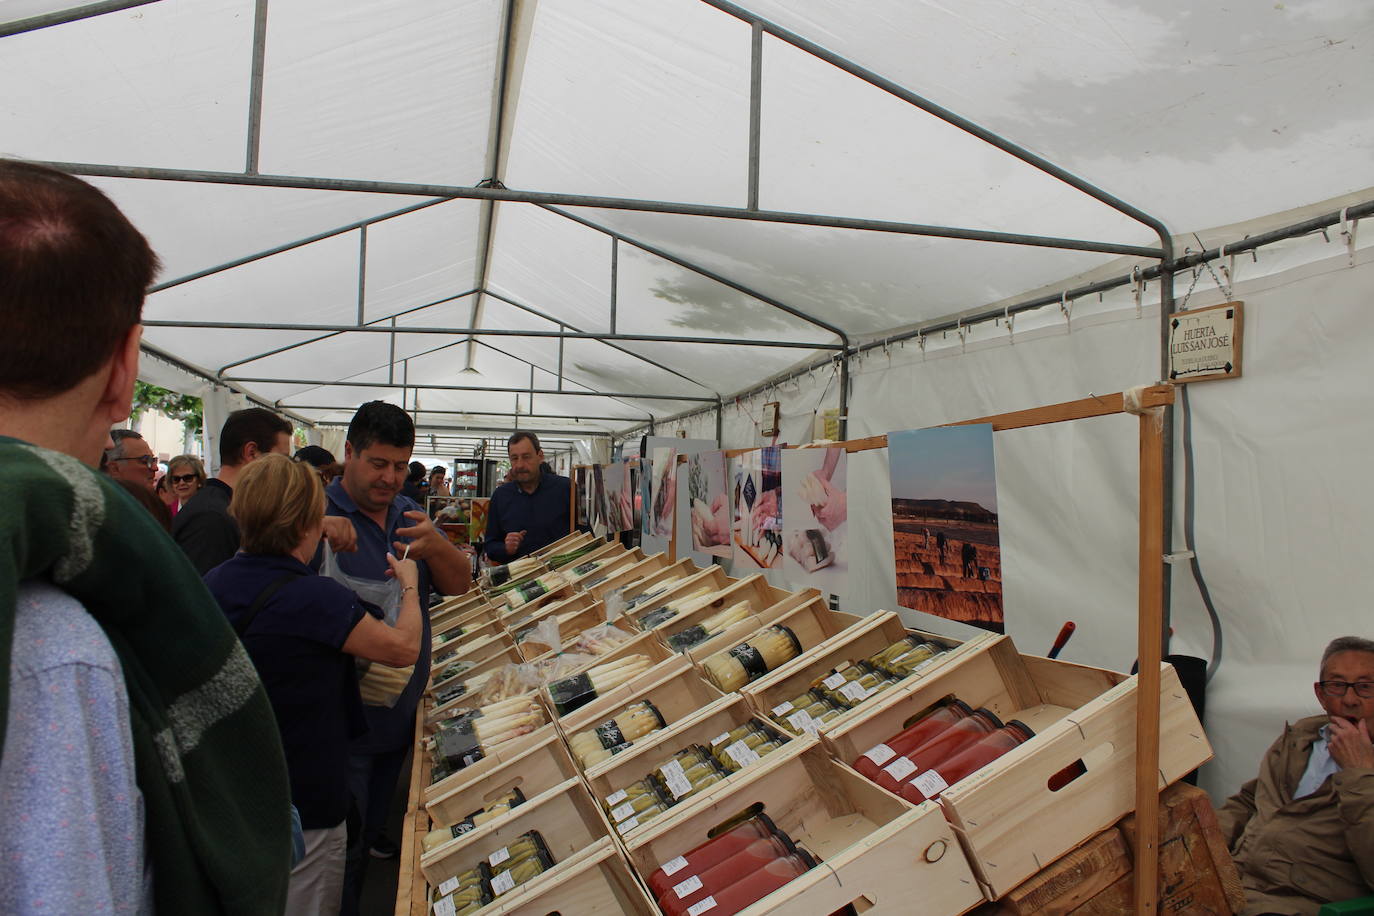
{"type": "Point", "coordinates": [185, 476]}
{"type": "Point", "coordinates": [302, 631]}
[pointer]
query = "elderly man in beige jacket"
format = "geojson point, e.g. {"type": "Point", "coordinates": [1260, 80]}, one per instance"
{"type": "Point", "coordinates": [1302, 832]}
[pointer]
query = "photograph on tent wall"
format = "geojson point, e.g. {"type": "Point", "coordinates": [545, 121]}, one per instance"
{"type": "Point", "coordinates": [663, 492]}
{"type": "Point", "coordinates": [944, 523]}
{"type": "Point", "coordinates": [600, 512]}
{"type": "Point", "coordinates": [644, 495]}
{"type": "Point", "coordinates": [581, 483]}
{"type": "Point", "coordinates": [619, 515]}
{"type": "Point", "coordinates": [709, 502]}
{"type": "Point", "coordinates": [632, 495]}
{"type": "Point", "coordinates": [815, 518]}
{"type": "Point", "coordinates": [757, 519]}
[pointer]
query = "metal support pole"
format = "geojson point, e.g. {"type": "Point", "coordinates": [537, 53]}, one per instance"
{"type": "Point", "coordinates": [560, 359]}
{"type": "Point", "coordinates": [844, 396]}
{"type": "Point", "coordinates": [720, 422]}
{"type": "Point", "coordinates": [554, 198]}
{"type": "Point", "coordinates": [755, 110]}
{"type": "Point", "coordinates": [62, 17]}
{"type": "Point", "coordinates": [255, 87]}
{"type": "Point", "coordinates": [362, 276]}
{"type": "Point", "coordinates": [615, 277]}
{"type": "Point", "coordinates": [391, 355]}
{"type": "Point", "coordinates": [348, 383]}
{"type": "Point", "coordinates": [471, 413]}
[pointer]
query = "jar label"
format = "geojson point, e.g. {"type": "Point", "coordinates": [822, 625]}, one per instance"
{"type": "Point", "coordinates": [444, 907]}
{"type": "Point", "coordinates": [627, 825]}
{"type": "Point", "coordinates": [609, 734]}
{"type": "Point", "coordinates": [688, 887]}
{"type": "Point", "coordinates": [742, 753]}
{"type": "Point", "coordinates": [801, 720]}
{"type": "Point", "coordinates": [930, 783]}
{"type": "Point", "coordinates": [499, 856]}
{"type": "Point", "coordinates": [449, 886]}
{"type": "Point", "coordinates": [720, 739]}
{"type": "Point", "coordinates": [677, 783]}
{"type": "Point", "coordinates": [880, 754]}
{"type": "Point", "coordinates": [503, 882]}
{"type": "Point", "coordinates": [616, 797]}
{"type": "Point", "coordinates": [750, 659]}
{"type": "Point", "coordinates": [854, 691]}
{"type": "Point", "coordinates": [782, 709]}
{"type": "Point", "coordinates": [673, 866]}
{"type": "Point", "coordinates": [900, 769]}
{"type": "Point", "coordinates": [624, 811]}
{"type": "Point", "coordinates": [701, 906]}
{"type": "Point", "coordinates": [833, 681]}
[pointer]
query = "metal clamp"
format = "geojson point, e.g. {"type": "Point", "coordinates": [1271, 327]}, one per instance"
{"type": "Point", "coordinates": [1348, 229]}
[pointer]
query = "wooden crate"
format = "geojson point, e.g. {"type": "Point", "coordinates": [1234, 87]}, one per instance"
{"type": "Point", "coordinates": [483, 669]}
{"type": "Point", "coordinates": [804, 613]}
{"type": "Point", "coordinates": [473, 632]}
{"type": "Point", "coordinates": [683, 568]}
{"type": "Point", "coordinates": [606, 565]}
{"type": "Point", "coordinates": [642, 644]}
{"type": "Point", "coordinates": [1010, 821]}
{"type": "Point", "coordinates": [867, 637]}
{"type": "Point", "coordinates": [534, 768]}
{"type": "Point", "coordinates": [527, 610]}
{"type": "Point", "coordinates": [879, 853]}
{"type": "Point", "coordinates": [486, 768]}
{"type": "Point", "coordinates": [566, 816]}
{"type": "Point", "coordinates": [593, 616]}
{"type": "Point", "coordinates": [1097, 879]}
{"type": "Point", "coordinates": [597, 880]}
{"type": "Point", "coordinates": [411, 887]}
{"type": "Point", "coordinates": [673, 687]}
{"type": "Point", "coordinates": [574, 604]}
{"type": "Point", "coordinates": [754, 590]}
{"type": "Point", "coordinates": [653, 751]}
{"type": "Point", "coordinates": [635, 573]}
{"type": "Point", "coordinates": [460, 604]}
{"type": "Point", "coordinates": [519, 620]}
{"type": "Point", "coordinates": [712, 577]}
{"type": "Point", "coordinates": [494, 643]}
{"type": "Point", "coordinates": [564, 544]}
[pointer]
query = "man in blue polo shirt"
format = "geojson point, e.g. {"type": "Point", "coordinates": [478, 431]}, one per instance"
{"type": "Point", "coordinates": [529, 511]}
{"type": "Point", "coordinates": [368, 493]}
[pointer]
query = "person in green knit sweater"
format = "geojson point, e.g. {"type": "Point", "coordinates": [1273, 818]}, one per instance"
{"type": "Point", "coordinates": [140, 765]}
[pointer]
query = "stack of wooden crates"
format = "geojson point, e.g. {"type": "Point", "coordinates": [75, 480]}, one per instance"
{"type": "Point", "coordinates": [984, 840]}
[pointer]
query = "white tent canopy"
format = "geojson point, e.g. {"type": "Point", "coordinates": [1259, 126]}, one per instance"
{"type": "Point", "coordinates": [1196, 116]}
{"type": "Point", "coordinates": [580, 183]}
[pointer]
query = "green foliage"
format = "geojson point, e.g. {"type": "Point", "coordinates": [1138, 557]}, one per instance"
{"type": "Point", "coordinates": [183, 407]}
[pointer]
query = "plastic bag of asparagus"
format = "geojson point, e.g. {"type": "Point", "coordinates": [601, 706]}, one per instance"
{"type": "Point", "coordinates": [465, 739]}
{"type": "Point", "coordinates": [714, 625]}
{"type": "Point", "coordinates": [657, 616]}
{"type": "Point", "coordinates": [574, 692]}
{"type": "Point", "coordinates": [522, 593]}
{"type": "Point", "coordinates": [493, 578]}
{"type": "Point", "coordinates": [382, 685]}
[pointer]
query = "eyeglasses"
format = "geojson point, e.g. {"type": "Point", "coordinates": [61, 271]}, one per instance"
{"type": "Point", "coordinates": [1364, 689]}
{"type": "Point", "coordinates": [148, 461]}
{"type": "Point", "coordinates": [182, 478]}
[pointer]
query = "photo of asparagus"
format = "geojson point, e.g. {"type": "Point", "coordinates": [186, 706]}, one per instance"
{"type": "Point", "coordinates": [944, 523]}
{"type": "Point", "coordinates": [619, 511]}
{"type": "Point", "coordinates": [815, 517]}
{"type": "Point", "coordinates": [757, 519]}
{"type": "Point", "coordinates": [710, 505]}
{"type": "Point", "coordinates": [662, 492]}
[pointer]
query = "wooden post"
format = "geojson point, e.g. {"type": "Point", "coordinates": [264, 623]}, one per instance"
{"type": "Point", "coordinates": [1149, 649]}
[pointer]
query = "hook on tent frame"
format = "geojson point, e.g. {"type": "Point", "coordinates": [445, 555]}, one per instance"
{"type": "Point", "coordinates": [921, 342]}
{"type": "Point", "coordinates": [1228, 270]}
{"type": "Point", "coordinates": [1348, 229]}
{"type": "Point", "coordinates": [963, 335]}
{"type": "Point", "coordinates": [1137, 288]}
{"type": "Point", "coordinates": [1010, 319]}
{"type": "Point", "coordinates": [1066, 306]}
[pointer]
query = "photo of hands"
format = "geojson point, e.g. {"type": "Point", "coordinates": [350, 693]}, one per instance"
{"type": "Point", "coordinates": [662, 493]}
{"type": "Point", "coordinates": [619, 508]}
{"type": "Point", "coordinates": [710, 505]}
{"type": "Point", "coordinates": [815, 516]}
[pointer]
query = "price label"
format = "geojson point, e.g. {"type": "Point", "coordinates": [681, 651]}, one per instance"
{"type": "Point", "coordinates": [502, 883]}
{"type": "Point", "coordinates": [741, 753]}
{"type": "Point", "coordinates": [688, 887]}
{"type": "Point", "coordinates": [627, 825]}
{"type": "Point", "coordinates": [624, 811]}
{"type": "Point", "coordinates": [701, 906]}
{"type": "Point", "coordinates": [719, 739]}
{"type": "Point", "coordinates": [444, 907]}
{"type": "Point", "coordinates": [499, 856]}
{"type": "Point", "coordinates": [678, 784]}
{"type": "Point", "coordinates": [833, 681]}
{"type": "Point", "coordinates": [449, 886]}
{"type": "Point", "coordinates": [880, 754]}
{"type": "Point", "coordinates": [782, 709]}
{"type": "Point", "coordinates": [854, 692]}
{"type": "Point", "coordinates": [900, 769]}
{"type": "Point", "coordinates": [930, 783]}
{"type": "Point", "coordinates": [801, 720]}
{"type": "Point", "coordinates": [673, 866]}
{"type": "Point", "coordinates": [617, 797]}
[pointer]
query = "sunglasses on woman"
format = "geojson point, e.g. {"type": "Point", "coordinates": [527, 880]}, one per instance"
{"type": "Point", "coordinates": [182, 478]}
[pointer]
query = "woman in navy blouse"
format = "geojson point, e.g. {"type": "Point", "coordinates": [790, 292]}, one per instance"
{"type": "Point", "coordinates": [302, 632]}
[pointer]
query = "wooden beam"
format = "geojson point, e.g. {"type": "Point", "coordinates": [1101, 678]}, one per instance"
{"type": "Point", "coordinates": [1149, 650]}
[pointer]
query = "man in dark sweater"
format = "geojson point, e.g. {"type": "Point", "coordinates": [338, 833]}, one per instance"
{"type": "Point", "coordinates": [532, 509]}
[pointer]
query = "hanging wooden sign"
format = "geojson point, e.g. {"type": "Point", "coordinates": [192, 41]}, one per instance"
{"type": "Point", "coordinates": [1205, 343]}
